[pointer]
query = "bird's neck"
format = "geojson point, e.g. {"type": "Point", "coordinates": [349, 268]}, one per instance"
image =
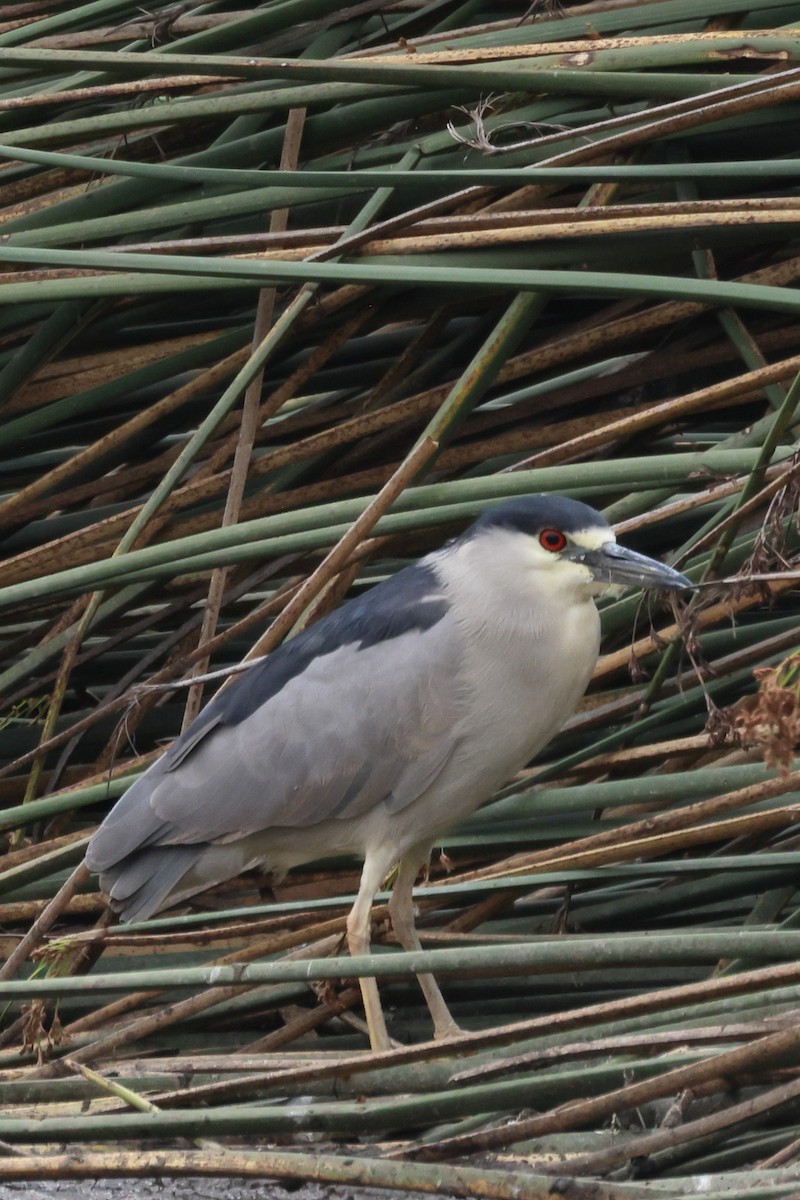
{"type": "Point", "coordinates": [490, 593]}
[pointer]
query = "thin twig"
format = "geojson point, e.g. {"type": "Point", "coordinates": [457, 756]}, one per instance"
{"type": "Point", "coordinates": [44, 922]}
{"type": "Point", "coordinates": [729, 1064]}
{"type": "Point", "coordinates": [249, 424]}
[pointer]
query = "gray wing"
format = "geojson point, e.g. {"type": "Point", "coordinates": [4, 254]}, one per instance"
{"type": "Point", "coordinates": [360, 725]}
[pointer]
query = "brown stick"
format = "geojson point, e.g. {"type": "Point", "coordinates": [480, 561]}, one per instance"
{"type": "Point", "coordinates": [731, 1063]}
{"type": "Point", "coordinates": [248, 428]}
{"type": "Point", "coordinates": [44, 922]}
{"type": "Point", "coordinates": [335, 559]}
{"type": "Point", "coordinates": [483, 1184]}
{"type": "Point", "coordinates": [666, 1139]}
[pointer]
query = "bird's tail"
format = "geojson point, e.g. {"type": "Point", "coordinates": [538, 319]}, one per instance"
{"type": "Point", "coordinates": [142, 884]}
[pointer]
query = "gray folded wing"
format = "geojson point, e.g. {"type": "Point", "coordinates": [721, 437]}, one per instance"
{"type": "Point", "coordinates": [359, 711]}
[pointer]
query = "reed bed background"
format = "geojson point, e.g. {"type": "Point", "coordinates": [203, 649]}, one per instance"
{"type": "Point", "coordinates": [310, 277]}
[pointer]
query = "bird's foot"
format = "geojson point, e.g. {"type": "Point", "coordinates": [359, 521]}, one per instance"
{"type": "Point", "coordinates": [443, 1030]}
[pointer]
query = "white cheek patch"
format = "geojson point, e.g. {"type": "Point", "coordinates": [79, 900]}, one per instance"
{"type": "Point", "coordinates": [593, 538]}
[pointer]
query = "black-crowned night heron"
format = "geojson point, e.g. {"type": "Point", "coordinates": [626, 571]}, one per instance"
{"type": "Point", "coordinates": [378, 728]}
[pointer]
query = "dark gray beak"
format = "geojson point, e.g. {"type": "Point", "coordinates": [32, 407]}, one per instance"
{"type": "Point", "coordinates": [612, 563]}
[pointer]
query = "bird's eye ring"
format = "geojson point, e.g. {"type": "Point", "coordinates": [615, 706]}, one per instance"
{"type": "Point", "coordinates": [552, 540]}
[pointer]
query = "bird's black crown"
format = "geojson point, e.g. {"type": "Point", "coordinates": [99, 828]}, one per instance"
{"type": "Point", "coordinates": [529, 514]}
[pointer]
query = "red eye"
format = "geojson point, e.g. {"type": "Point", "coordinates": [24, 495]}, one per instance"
{"type": "Point", "coordinates": [552, 539]}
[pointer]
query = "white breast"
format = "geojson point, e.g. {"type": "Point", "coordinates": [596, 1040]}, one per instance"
{"type": "Point", "coordinates": [528, 653]}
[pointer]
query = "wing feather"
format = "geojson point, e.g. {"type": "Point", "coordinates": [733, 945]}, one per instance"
{"type": "Point", "coordinates": [357, 728]}
{"type": "Point", "coordinates": [365, 721]}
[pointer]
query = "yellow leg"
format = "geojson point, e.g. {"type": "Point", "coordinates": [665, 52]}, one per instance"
{"type": "Point", "coordinates": [401, 910]}
{"type": "Point", "coordinates": [358, 942]}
